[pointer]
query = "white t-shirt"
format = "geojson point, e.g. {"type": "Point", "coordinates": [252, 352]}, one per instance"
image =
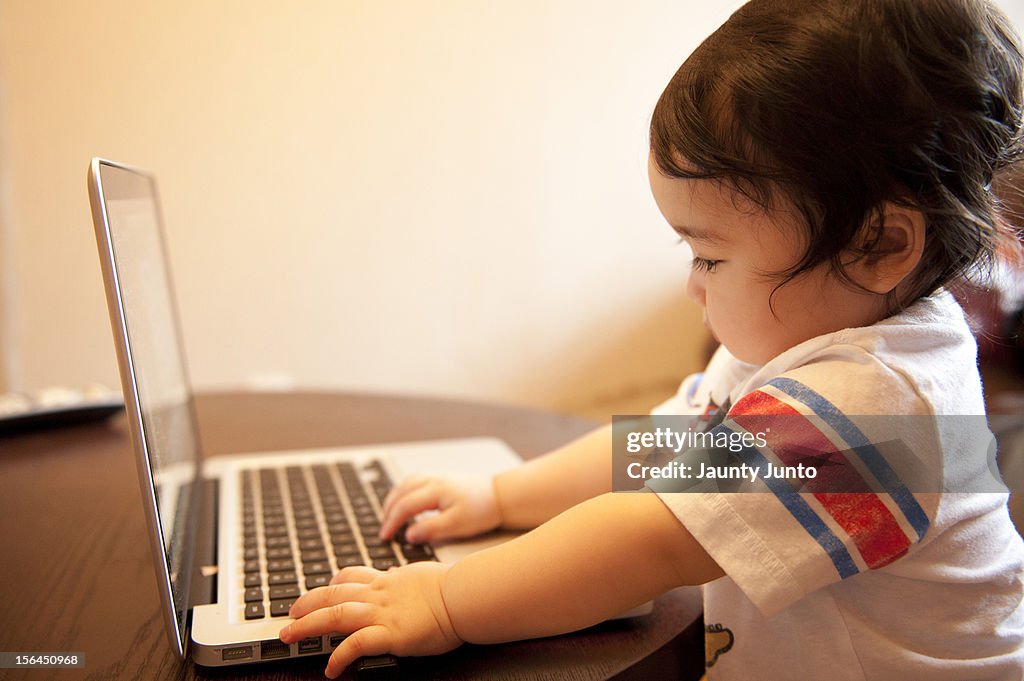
{"type": "Point", "coordinates": [906, 584]}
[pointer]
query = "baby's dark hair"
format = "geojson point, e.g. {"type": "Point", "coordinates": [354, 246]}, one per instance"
{"type": "Point", "coordinates": [836, 106]}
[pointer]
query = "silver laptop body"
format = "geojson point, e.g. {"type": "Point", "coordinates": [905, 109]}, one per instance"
{"type": "Point", "coordinates": [208, 517]}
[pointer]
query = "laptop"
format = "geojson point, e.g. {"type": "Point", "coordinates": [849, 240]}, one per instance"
{"type": "Point", "coordinates": [236, 539]}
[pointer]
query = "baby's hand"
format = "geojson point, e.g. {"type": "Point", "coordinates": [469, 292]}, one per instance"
{"type": "Point", "coordinates": [467, 507]}
{"type": "Point", "coordinates": [400, 611]}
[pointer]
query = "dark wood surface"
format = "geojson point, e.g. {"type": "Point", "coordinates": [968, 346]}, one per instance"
{"type": "Point", "coordinates": [76, 574]}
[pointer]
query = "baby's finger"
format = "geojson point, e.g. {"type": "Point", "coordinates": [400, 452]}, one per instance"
{"type": "Point", "coordinates": [360, 574]}
{"type": "Point", "coordinates": [372, 640]}
{"type": "Point", "coordinates": [403, 488]}
{"type": "Point", "coordinates": [435, 527]}
{"type": "Point", "coordinates": [325, 596]}
{"type": "Point", "coordinates": [423, 499]}
{"type": "Point", "coordinates": [343, 618]}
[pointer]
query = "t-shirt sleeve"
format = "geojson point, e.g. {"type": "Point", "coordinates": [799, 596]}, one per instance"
{"type": "Point", "coordinates": [708, 388]}
{"type": "Point", "coordinates": [780, 541]}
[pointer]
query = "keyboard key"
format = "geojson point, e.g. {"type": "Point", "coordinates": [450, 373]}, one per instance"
{"type": "Point", "coordinates": [385, 563]}
{"type": "Point", "coordinates": [381, 552]}
{"type": "Point", "coordinates": [311, 544]}
{"type": "Point", "coordinates": [252, 566]}
{"type": "Point", "coordinates": [280, 608]}
{"type": "Point", "coordinates": [364, 514]}
{"type": "Point", "coordinates": [255, 594]}
{"type": "Point", "coordinates": [315, 581]}
{"type": "Point", "coordinates": [335, 518]}
{"type": "Point", "coordinates": [342, 537]}
{"type": "Point", "coordinates": [278, 542]}
{"type": "Point", "coordinates": [280, 553]}
{"type": "Point", "coordinates": [350, 561]}
{"type": "Point", "coordinates": [349, 548]}
{"type": "Point", "coordinates": [251, 553]}
{"type": "Point", "coordinates": [288, 591]}
{"type": "Point", "coordinates": [280, 565]}
{"type": "Point", "coordinates": [254, 611]}
{"type": "Point", "coordinates": [417, 552]}
{"type": "Point", "coordinates": [370, 529]}
{"type": "Point", "coordinates": [377, 466]}
{"type": "Point", "coordinates": [253, 579]}
{"type": "Point", "coordinates": [318, 568]}
{"type": "Point", "coordinates": [277, 578]}
{"type": "Point", "coordinates": [313, 556]}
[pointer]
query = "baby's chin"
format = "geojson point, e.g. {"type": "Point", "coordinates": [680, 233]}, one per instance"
{"type": "Point", "coordinates": [746, 352]}
{"type": "Point", "coordinates": [755, 348]}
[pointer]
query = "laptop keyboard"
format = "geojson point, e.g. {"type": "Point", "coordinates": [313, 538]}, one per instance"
{"type": "Point", "coordinates": [301, 524]}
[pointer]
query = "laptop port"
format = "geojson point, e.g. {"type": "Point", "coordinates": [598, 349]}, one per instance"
{"type": "Point", "coordinates": [239, 653]}
{"type": "Point", "coordinates": [336, 640]}
{"type": "Point", "coordinates": [272, 649]}
{"type": "Point", "coordinates": [311, 645]}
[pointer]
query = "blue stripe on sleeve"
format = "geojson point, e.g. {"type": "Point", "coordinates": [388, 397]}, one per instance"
{"type": "Point", "coordinates": [801, 510]}
{"type": "Point", "coordinates": [869, 454]}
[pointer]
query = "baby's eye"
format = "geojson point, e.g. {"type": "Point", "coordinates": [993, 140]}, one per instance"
{"type": "Point", "coordinates": [703, 264]}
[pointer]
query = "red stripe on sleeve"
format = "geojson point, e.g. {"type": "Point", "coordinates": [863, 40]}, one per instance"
{"type": "Point", "coordinates": [794, 439]}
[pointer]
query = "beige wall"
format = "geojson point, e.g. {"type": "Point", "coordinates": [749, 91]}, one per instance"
{"type": "Point", "coordinates": [7, 271]}
{"type": "Point", "coordinates": [444, 197]}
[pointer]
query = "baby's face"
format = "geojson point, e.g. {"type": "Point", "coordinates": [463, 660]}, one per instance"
{"type": "Point", "coordinates": [738, 250]}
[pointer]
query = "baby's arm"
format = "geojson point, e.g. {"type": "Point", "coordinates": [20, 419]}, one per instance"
{"type": "Point", "coordinates": [543, 487]}
{"type": "Point", "coordinates": [593, 561]}
{"type": "Point", "coordinates": [521, 498]}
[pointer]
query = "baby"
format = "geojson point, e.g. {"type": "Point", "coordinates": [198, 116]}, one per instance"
{"type": "Point", "coordinates": [829, 163]}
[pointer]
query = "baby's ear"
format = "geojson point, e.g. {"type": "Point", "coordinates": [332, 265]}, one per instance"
{"type": "Point", "coordinates": [889, 248]}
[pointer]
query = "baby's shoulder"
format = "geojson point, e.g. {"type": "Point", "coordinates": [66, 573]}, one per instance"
{"type": "Point", "coordinates": [849, 379]}
{"type": "Point", "coordinates": [923, 361]}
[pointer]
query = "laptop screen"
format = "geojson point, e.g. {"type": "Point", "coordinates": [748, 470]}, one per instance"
{"type": "Point", "coordinates": [153, 373]}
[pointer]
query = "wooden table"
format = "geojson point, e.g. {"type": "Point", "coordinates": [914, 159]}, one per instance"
{"type": "Point", "coordinates": [76, 574]}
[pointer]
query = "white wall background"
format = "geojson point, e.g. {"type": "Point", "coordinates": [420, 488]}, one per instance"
{"type": "Point", "coordinates": [433, 197]}
{"type": "Point", "coordinates": [445, 197]}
